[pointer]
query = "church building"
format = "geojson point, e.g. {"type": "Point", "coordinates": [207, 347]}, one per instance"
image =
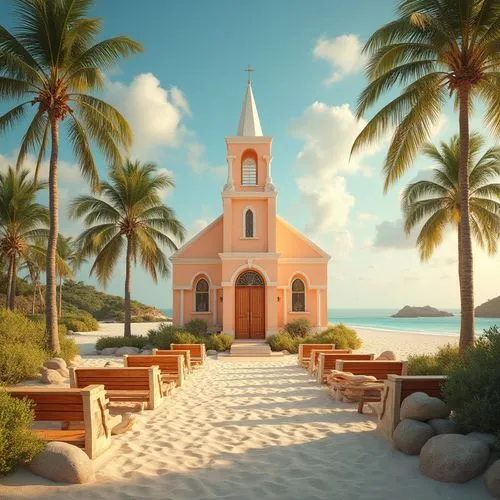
{"type": "Point", "coordinates": [249, 272]}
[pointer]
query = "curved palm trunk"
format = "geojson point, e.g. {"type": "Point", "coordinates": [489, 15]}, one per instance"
{"type": "Point", "coordinates": [465, 246]}
{"type": "Point", "coordinates": [60, 295]}
{"type": "Point", "coordinates": [51, 289]}
{"type": "Point", "coordinates": [128, 312]}
{"type": "Point", "coordinates": [10, 277]}
{"type": "Point", "coordinates": [12, 294]}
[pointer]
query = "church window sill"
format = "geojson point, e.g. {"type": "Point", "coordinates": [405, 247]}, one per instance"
{"type": "Point", "coordinates": [249, 238]}
{"type": "Point", "coordinates": [201, 312]}
{"type": "Point", "coordinates": [298, 312]}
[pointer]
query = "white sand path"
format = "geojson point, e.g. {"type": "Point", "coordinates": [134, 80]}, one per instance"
{"type": "Point", "coordinates": [251, 430]}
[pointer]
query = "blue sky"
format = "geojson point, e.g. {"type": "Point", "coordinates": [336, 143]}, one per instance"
{"type": "Point", "coordinates": [183, 96]}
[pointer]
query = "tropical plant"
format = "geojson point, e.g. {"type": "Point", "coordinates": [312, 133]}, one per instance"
{"type": "Point", "coordinates": [48, 62]}
{"type": "Point", "coordinates": [436, 202]}
{"type": "Point", "coordinates": [22, 220]}
{"type": "Point", "coordinates": [129, 215]}
{"type": "Point", "coordinates": [434, 49]}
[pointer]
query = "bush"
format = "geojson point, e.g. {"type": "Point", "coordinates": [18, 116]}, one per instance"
{"type": "Point", "coordinates": [138, 341]}
{"type": "Point", "coordinates": [162, 336]}
{"type": "Point", "coordinates": [298, 327]}
{"type": "Point", "coordinates": [473, 388]}
{"type": "Point", "coordinates": [18, 443]}
{"type": "Point", "coordinates": [219, 342]}
{"type": "Point", "coordinates": [196, 327]}
{"type": "Point", "coordinates": [69, 348]}
{"type": "Point", "coordinates": [182, 337]}
{"type": "Point", "coordinates": [283, 341]}
{"type": "Point", "coordinates": [20, 361]}
{"type": "Point", "coordinates": [443, 362]}
{"type": "Point", "coordinates": [79, 322]}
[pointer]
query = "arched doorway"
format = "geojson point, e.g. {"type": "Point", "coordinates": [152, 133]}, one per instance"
{"type": "Point", "coordinates": [250, 306]}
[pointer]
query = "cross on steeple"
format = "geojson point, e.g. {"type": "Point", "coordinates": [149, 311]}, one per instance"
{"type": "Point", "coordinates": [249, 70]}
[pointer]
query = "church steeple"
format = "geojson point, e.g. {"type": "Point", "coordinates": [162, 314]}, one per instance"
{"type": "Point", "coordinates": [249, 125]}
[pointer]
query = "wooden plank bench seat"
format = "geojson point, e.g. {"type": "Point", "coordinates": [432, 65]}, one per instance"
{"type": "Point", "coordinates": [198, 352]}
{"type": "Point", "coordinates": [171, 367]}
{"type": "Point", "coordinates": [142, 385]}
{"type": "Point", "coordinates": [185, 353]}
{"type": "Point", "coordinates": [314, 358]}
{"type": "Point", "coordinates": [304, 354]}
{"type": "Point", "coordinates": [327, 361]}
{"type": "Point", "coordinates": [87, 406]}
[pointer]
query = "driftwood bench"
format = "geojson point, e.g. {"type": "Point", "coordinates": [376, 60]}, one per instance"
{"type": "Point", "coordinates": [87, 406]}
{"type": "Point", "coordinates": [314, 358]}
{"type": "Point", "coordinates": [304, 355]}
{"type": "Point", "coordinates": [198, 352]}
{"type": "Point", "coordinates": [327, 360]}
{"type": "Point", "coordinates": [184, 353]}
{"type": "Point", "coordinates": [171, 367]}
{"type": "Point", "coordinates": [143, 385]}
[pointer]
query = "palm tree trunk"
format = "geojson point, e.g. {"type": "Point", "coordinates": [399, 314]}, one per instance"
{"type": "Point", "coordinates": [128, 312]}
{"type": "Point", "coordinates": [60, 296]}
{"type": "Point", "coordinates": [12, 294]}
{"type": "Point", "coordinates": [51, 289]}
{"type": "Point", "coordinates": [9, 283]}
{"type": "Point", "coordinates": [465, 257]}
{"type": "Point", "coordinates": [33, 303]}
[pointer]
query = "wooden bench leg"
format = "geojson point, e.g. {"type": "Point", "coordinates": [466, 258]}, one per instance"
{"type": "Point", "coordinates": [361, 404]}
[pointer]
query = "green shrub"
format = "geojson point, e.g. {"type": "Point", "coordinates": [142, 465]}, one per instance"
{"type": "Point", "coordinates": [196, 327]}
{"type": "Point", "coordinates": [20, 361]}
{"type": "Point", "coordinates": [138, 341]}
{"type": "Point", "coordinates": [186, 338]}
{"type": "Point", "coordinates": [79, 322]}
{"type": "Point", "coordinates": [298, 327]}
{"type": "Point", "coordinates": [342, 336]}
{"type": "Point", "coordinates": [443, 362]}
{"type": "Point", "coordinates": [473, 388]}
{"type": "Point", "coordinates": [162, 336]}
{"type": "Point", "coordinates": [18, 443]}
{"type": "Point", "coordinates": [219, 342]}
{"type": "Point", "coordinates": [283, 341]}
{"type": "Point", "coordinates": [69, 348]}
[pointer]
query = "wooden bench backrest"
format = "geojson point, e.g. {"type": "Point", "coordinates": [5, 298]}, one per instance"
{"type": "Point", "coordinates": [431, 385]}
{"type": "Point", "coordinates": [186, 354]}
{"type": "Point", "coordinates": [379, 369]}
{"type": "Point", "coordinates": [167, 364]}
{"type": "Point", "coordinates": [65, 405]}
{"type": "Point", "coordinates": [305, 349]}
{"type": "Point", "coordinates": [316, 352]}
{"type": "Point", "coordinates": [197, 350]}
{"type": "Point", "coordinates": [329, 359]}
{"type": "Point", "coordinates": [113, 379]}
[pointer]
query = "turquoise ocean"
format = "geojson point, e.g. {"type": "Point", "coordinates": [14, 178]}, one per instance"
{"type": "Point", "coordinates": [380, 319]}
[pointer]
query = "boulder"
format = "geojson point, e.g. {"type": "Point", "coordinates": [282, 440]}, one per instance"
{"type": "Point", "coordinates": [55, 364]}
{"type": "Point", "coordinates": [420, 406]}
{"type": "Point", "coordinates": [285, 352]}
{"type": "Point", "coordinates": [63, 462]}
{"type": "Point", "coordinates": [147, 352]}
{"type": "Point", "coordinates": [49, 376]}
{"type": "Point", "coordinates": [492, 479]}
{"type": "Point", "coordinates": [107, 351]}
{"type": "Point", "coordinates": [443, 426]}
{"type": "Point", "coordinates": [148, 347]}
{"type": "Point", "coordinates": [126, 350]}
{"type": "Point", "coordinates": [388, 355]}
{"type": "Point", "coordinates": [410, 435]}
{"type": "Point", "coordinates": [211, 352]}
{"type": "Point", "coordinates": [453, 458]}
{"type": "Point", "coordinates": [124, 425]}
{"type": "Point", "coordinates": [64, 372]}
{"type": "Point", "coordinates": [488, 439]}
{"type": "Point", "coordinates": [71, 332]}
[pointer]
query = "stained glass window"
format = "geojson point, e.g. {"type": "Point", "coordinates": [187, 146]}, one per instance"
{"type": "Point", "coordinates": [249, 224]}
{"type": "Point", "coordinates": [202, 295]}
{"type": "Point", "coordinates": [298, 296]}
{"type": "Point", "coordinates": [250, 278]}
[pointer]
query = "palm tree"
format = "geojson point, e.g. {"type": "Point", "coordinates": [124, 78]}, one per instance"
{"type": "Point", "coordinates": [436, 202]}
{"type": "Point", "coordinates": [49, 62]}
{"type": "Point", "coordinates": [22, 221]}
{"type": "Point", "coordinates": [434, 49]}
{"type": "Point", "coordinates": [129, 214]}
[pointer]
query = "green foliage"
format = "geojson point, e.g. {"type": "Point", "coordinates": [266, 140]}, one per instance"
{"type": "Point", "coordinates": [197, 326]}
{"type": "Point", "coordinates": [443, 362]}
{"type": "Point", "coordinates": [283, 341]}
{"type": "Point", "coordinates": [79, 322]}
{"type": "Point", "coordinates": [473, 388]}
{"type": "Point", "coordinates": [138, 341]}
{"type": "Point", "coordinates": [219, 342]}
{"type": "Point", "coordinates": [18, 443]}
{"type": "Point", "coordinates": [298, 327]}
{"type": "Point", "coordinates": [69, 348]}
{"type": "Point", "coordinates": [182, 337]}
{"type": "Point", "coordinates": [162, 336]}
{"type": "Point", "coordinates": [20, 361]}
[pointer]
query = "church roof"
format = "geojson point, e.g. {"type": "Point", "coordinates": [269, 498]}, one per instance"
{"type": "Point", "coordinates": [249, 125]}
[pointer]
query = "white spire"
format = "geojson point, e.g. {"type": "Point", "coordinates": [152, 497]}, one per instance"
{"type": "Point", "coordinates": [249, 125]}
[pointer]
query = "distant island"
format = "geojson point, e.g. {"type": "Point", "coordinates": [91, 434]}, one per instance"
{"type": "Point", "coordinates": [490, 309]}
{"type": "Point", "coordinates": [421, 312]}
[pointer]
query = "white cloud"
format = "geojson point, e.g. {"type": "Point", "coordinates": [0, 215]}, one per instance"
{"type": "Point", "coordinates": [365, 216]}
{"type": "Point", "coordinates": [391, 234]}
{"type": "Point", "coordinates": [343, 53]}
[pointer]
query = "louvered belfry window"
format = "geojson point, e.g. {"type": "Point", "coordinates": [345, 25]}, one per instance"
{"type": "Point", "coordinates": [249, 172]}
{"type": "Point", "coordinates": [298, 296]}
{"type": "Point", "coordinates": [202, 295]}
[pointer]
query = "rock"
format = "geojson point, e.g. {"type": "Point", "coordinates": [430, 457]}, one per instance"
{"type": "Point", "coordinates": [211, 352]}
{"type": "Point", "coordinates": [71, 332]}
{"type": "Point", "coordinates": [453, 458]}
{"type": "Point", "coordinates": [64, 372]}
{"type": "Point", "coordinates": [55, 363]}
{"type": "Point", "coordinates": [420, 406]}
{"type": "Point", "coordinates": [113, 364]}
{"type": "Point", "coordinates": [126, 350]}
{"type": "Point", "coordinates": [63, 462]}
{"type": "Point", "coordinates": [410, 435]}
{"type": "Point", "coordinates": [285, 352]}
{"type": "Point", "coordinates": [388, 355]}
{"type": "Point", "coordinates": [107, 351]}
{"type": "Point", "coordinates": [126, 423]}
{"type": "Point", "coordinates": [49, 376]}
{"type": "Point", "coordinates": [443, 426]}
{"type": "Point", "coordinates": [420, 312]}
{"type": "Point", "coordinates": [489, 440]}
{"type": "Point", "coordinates": [492, 480]}
{"type": "Point", "coordinates": [148, 347]}
{"type": "Point", "coordinates": [147, 352]}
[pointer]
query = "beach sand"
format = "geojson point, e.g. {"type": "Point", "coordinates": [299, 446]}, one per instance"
{"type": "Point", "coordinates": [248, 430]}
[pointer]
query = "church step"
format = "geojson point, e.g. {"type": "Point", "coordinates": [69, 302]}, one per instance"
{"type": "Point", "coordinates": [250, 349]}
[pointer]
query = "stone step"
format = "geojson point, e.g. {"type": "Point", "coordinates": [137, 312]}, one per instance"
{"type": "Point", "coordinates": [250, 349]}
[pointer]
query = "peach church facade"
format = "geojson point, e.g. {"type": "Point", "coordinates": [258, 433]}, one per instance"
{"type": "Point", "coordinates": [249, 271]}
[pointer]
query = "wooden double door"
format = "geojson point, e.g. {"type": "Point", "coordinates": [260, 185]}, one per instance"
{"type": "Point", "coordinates": [250, 310]}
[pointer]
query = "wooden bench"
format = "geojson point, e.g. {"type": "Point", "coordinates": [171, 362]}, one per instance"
{"type": "Point", "coordinates": [304, 355]}
{"type": "Point", "coordinates": [186, 355]}
{"type": "Point", "coordinates": [123, 384]}
{"type": "Point", "coordinates": [88, 406]}
{"type": "Point", "coordinates": [396, 389]}
{"type": "Point", "coordinates": [327, 360]}
{"type": "Point", "coordinates": [198, 352]}
{"type": "Point", "coordinates": [171, 367]}
{"type": "Point", "coordinates": [313, 360]}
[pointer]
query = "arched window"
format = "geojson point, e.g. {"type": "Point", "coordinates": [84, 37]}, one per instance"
{"type": "Point", "coordinates": [298, 296]}
{"type": "Point", "coordinates": [249, 224]}
{"type": "Point", "coordinates": [202, 295]}
{"type": "Point", "coordinates": [249, 172]}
